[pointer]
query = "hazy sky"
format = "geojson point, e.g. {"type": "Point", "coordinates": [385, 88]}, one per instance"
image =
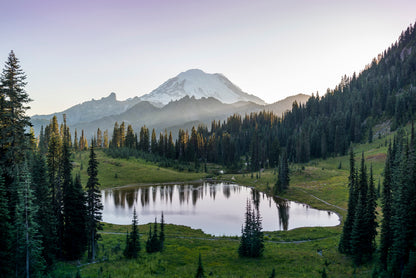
{"type": "Point", "coordinates": [76, 50]}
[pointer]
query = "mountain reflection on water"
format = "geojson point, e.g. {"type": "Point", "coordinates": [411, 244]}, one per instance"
{"type": "Point", "coordinates": [216, 208]}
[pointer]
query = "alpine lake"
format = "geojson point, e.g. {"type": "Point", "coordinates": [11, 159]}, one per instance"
{"type": "Point", "coordinates": [215, 208]}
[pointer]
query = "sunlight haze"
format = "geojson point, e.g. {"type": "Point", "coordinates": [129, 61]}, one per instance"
{"type": "Point", "coordinates": [74, 51]}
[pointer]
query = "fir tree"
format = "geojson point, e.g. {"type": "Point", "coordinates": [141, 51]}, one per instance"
{"type": "Point", "coordinates": [13, 120]}
{"type": "Point", "coordinates": [283, 179]}
{"type": "Point", "coordinates": [94, 205]}
{"type": "Point", "coordinates": [251, 242]}
{"type": "Point", "coordinates": [153, 243]}
{"type": "Point", "coordinates": [162, 234]}
{"type": "Point", "coordinates": [5, 233]}
{"type": "Point", "coordinates": [359, 231]}
{"type": "Point", "coordinates": [28, 242]}
{"type": "Point", "coordinates": [75, 216]}
{"type": "Point", "coordinates": [386, 237]}
{"type": "Point", "coordinates": [43, 201]}
{"type": "Point", "coordinates": [133, 240]}
{"type": "Point", "coordinates": [344, 244]}
{"type": "Point", "coordinates": [371, 217]}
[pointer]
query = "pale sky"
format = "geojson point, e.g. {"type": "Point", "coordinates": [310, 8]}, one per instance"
{"type": "Point", "coordinates": [73, 51]}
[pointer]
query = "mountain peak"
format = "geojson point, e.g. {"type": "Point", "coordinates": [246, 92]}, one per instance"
{"type": "Point", "coordinates": [199, 84]}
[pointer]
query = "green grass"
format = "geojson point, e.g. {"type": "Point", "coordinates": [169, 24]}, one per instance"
{"type": "Point", "coordinates": [292, 253]}
{"type": "Point", "coordinates": [113, 172]}
{"type": "Point", "coordinates": [219, 256]}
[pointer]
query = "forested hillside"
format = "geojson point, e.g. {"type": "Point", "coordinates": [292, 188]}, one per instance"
{"type": "Point", "coordinates": [47, 217]}
{"type": "Point", "coordinates": [383, 93]}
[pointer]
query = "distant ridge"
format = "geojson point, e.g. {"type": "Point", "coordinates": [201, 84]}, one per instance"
{"type": "Point", "coordinates": [191, 96]}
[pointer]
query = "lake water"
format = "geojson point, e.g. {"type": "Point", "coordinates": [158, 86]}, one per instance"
{"type": "Point", "coordinates": [215, 208]}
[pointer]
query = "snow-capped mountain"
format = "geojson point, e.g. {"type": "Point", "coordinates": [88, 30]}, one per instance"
{"type": "Point", "coordinates": [198, 84]}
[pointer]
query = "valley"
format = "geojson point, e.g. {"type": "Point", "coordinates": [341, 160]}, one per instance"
{"type": "Point", "coordinates": [294, 253]}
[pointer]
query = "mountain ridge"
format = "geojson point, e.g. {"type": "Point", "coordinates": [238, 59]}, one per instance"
{"type": "Point", "coordinates": [197, 83]}
{"type": "Point", "coordinates": [199, 103]}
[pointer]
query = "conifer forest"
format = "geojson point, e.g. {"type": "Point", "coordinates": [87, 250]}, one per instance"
{"type": "Point", "coordinates": [51, 209]}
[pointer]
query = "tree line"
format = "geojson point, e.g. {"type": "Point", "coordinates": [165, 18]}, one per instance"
{"type": "Point", "coordinates": [323, 126]}
{"type": "Point", "coordinates": [398, 227]}
{"type": "Point", "coordinates": [45, 214]}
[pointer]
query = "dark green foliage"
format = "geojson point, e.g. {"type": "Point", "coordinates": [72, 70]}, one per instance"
{"type": "Point", "coordinates": [155, 242]}
{"type": "Point", "coordinates": [251, 242]}
{"type": "Point", "coordinates": [398, 231]}
{"type": "Point", "coordinates": [386, 237]}
{"type": "Point", "coordinates": [94, 205]}
{"type": "Point", "coordinates": [27, 240]}
{"type": "Point", "coordinates": [283, 179]}
{"type": "Point", "coordinates": [200, 269]}
{"type": "Point", "coordinates": [371, 217]}
{"type": "Point", "coordinates": [43, 200]}
{"type": "Point", "coordinates": [409, 270]}
{"type": "Point", "coordinates": [322, 126]}
{"type": "Point", "coordinates": [344, 244]}
{"type": "Point", "coordinates": [13, 120]}
{"type": "Point", "coordinates": [359, 231]}
{"type": "Point", "coordinates": [75, 216]}
{"type": "Point", "coordinates": [273, 274]}
{"type": "Point", "coordinates": [323, 273]}
{"type": "Point", "coordinates": [5, 233]}
{"type": "Point", "coordinates": [133, 240]}
{"type": "Point", "coordinates": [162, 233]}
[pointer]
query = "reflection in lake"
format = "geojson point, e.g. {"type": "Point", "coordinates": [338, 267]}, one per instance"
{"type": "Point", "coordinates": [217, 209]}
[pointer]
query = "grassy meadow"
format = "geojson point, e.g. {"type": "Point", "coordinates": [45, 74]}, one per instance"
{"type": "Point", "coordinates": [302, 252]}
{"type": "Point", "coordinates": [114, 172]}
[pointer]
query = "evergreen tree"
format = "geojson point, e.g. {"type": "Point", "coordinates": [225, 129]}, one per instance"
{"type": "Point", "coordinates": [162, 234]}
{"type": "Point", "coordinates": [386, 237]}
{"type": "Point", "coordinates": [5, 233]}
{"type": "Point", "coordinates": [358, 233]}
{"type": "Point", "coordinates": [130, 140]}
{"type": "Point", "coordinates": [13, 120]}
{"type": "Point", "coordinates": [75, 216]}
{"type": "Point", "coordinates": [75, 145]}
{"type": "Point", "coordinates": [99, 138]}
{"type": "Point", "coordinates": [149, 247]}
{"type": "Point", "coordinates": [344, 244]}
{"type": "Point", "coordinates": [359, 228]}
{"type": "Point", "coordinates": [283, 178]}
{"type": "Point", "coordinates": [153, 144]}
{"type": "Point", "coordinates": [200, 269]}
{"type": "Point", "coordinates": [252, 242]}
{"type": "Point", "coordinates": [371, 217]}
{"type": "Point", "coordinates": [133, 240]}
{"type": "Point", "coordinates": [153, 243]}
{"type": "Point", "coordinates": [28, 242]}
{"type": "Point", "coordinates": [94, 205]}
{"type": "Point", "coordinates": [105, 142]}
{"type": "Point", "coordinates": [43, 200]}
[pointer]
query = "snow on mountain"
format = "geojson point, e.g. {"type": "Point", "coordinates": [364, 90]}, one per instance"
{"type": "Point", "coordinates": [198, 84]}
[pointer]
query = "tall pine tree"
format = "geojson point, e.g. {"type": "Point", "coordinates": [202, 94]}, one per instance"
{"type": "Point", "coordinates": [75, 216]}
{"type": "Point", "coordinates": [344, 244]}
{"type": "Point", "coordinates": [133, 240]}
{"type": "Point", "coordinates": [386, 237]}
{"type": "Point", "coordinates": [94, 205]}
{"type": "Point", "coordinates": [5, 233]}
{"type": "Point", "coordinates": [28, 242]}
